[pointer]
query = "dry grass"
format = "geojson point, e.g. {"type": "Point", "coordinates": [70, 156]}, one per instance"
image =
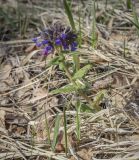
{"type": "Point", "coordinates": [25, 83]}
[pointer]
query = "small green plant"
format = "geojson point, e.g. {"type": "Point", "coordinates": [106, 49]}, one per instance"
{"type": "Point", "coordinates": [62, 41]}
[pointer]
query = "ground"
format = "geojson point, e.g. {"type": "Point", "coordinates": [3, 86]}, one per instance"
{"type": "Point", "coordinates": [32, 120]}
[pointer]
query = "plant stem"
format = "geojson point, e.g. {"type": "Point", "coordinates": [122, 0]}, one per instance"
{"type": "Point", "coordinates": [65, 130]}
{"type": "Point", "coordinates": [68, 72]}
{"type": "Point", "coordinates": [80, 92]}
{"type": "Point", "coordinates": [47, 130]}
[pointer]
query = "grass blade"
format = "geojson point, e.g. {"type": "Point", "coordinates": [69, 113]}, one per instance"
{"type": "Point", "coordinates": [56, 130]}
{"type": "Point", "coordinates": [69, 14]}
{"type": "Point", "coordinates": [129, 4]}
{"type": "Point", "coordinates": [78, 107]}
{"type": "Point", "coordinates": [65, 131]}
{"type": "Point", "coordinates": [47, 130]}
{"type": "Point", "coordinates": [80, 29]}
{"type": "Point", "coordinates": [135, 16]}
{"type": "Point", "coordinates": [94, 35]}
{"type": "Point", "coordinates": [76, 61]}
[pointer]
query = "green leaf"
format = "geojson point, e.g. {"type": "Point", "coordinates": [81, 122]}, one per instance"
{"type": "Point", "coordinates": [86, 108]}
{"type": "Point", "coordinates": [56, 130]}
{"type": "Point", "coordinates": [129, 4]}
{"type": "Point", "coordinates": [80, 85]}
{"type": "Point", "coordinates": [54, 61]}
{"type": "Point", "coordinates": [74, 53]}
{"type": "Point", "coordinates": [82, 72]}
{"type": "Point", "coordinates": [69, 14]}
{"type": "Point", "coordinates": [76, 61]}
{"type": "Point", "coordinates": [66, 89]}
{"type": "Point", "coordinates": [98, 99]}
{"type": "Point", "coordinates": [61, 66]}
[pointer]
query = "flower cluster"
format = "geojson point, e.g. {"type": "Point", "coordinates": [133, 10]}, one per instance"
{"type": "Point", "coordinates": [56, 35]}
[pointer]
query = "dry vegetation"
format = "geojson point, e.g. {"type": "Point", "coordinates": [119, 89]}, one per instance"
{"type": "Point", "coordinates": [27, 109]}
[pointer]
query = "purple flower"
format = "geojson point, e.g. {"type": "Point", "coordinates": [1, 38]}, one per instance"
{"type": "Point", "coordinates": [35, 39]}
{"type": "Point", "coordinates": [45, 42]}
{"type": "Point", "coordinates": [58, 42]}
{"type": "Point", "coordinates": [63, 36]}
{"type": "Point", "coordinates": [74, 36]}
{"type": "Point", "coordinates": [74, 46]}
{"type": "Point", "coordinates": [38, 44]}
{"type": "Point", "coordinates": [56, 35]}
{"type": "Point", "coordinates": [47, 50]}
{"type": "Point", "coordinates": [66, 47]}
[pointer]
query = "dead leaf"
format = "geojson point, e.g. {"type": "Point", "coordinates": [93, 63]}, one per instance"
{"type": "Point", "coordinates": [5, 72]}
{"type": "Point", "coordinates": [39, 93]}
{"type": "Point", "coordinates": [104, 83]}
{"type": "Point", "coordinates": [86, 154]}
{"type": "Point", "coordinates": [4, 87]}
{"type": "Point", "coordinates": [59, 148]}
{"type": "Point", "coordinates": [27, 58]}
{"type": "Point", "coordinates": [30, 48]}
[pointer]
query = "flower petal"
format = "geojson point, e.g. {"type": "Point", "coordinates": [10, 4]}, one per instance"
{"type": "Point", "coordinates": [35, 39]}
{"type": "Point", "coordinates": [38, 44]}
{"type": "Point", "coordinates": [58, 42]}
{"type": "Point", "coordinates": [74, 46]}
{"type": "Point", "coordinates": [63, 36]}
{"type": "Point", "coordinates": [49, 48]}
{"type": "Point", "coordinates": [45, 42]}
